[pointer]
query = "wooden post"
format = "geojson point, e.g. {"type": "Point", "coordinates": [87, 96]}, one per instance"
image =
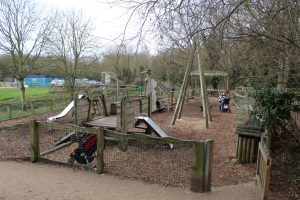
{"type": "Point", "coordinates": [51, 105]}
{"type": "Point", "coordinates": [123, 115]}
{"type": "Point", "coordinates": [9, 111]}
{"type": "Point", "coordinates": [75, 99]}
{"type": "Point", "coordinates": [34, 141]}
{"type": "Point", "coordinates": [150, 104]}
{"type": "Point", "coordinates": [185, 81]}
{"type": "Point", "coordinates": [182, 103]}
{"type": "Point", "coordinates": [203, 88]}
{"type": "Point", "coordinates": [209, 146]}
{"type": "Point", "coordinates": [100, 151]}
{"type": "Point", "coordinates": [123, 144]}
{"type": "Point", "coordinates": [198, 167]}
{"type": "Point", "coordinates": [227, 83]}
{"type": "Point", "coordinates": [141, 105]}
{"type": "Point", "coordinates": [31, 107]}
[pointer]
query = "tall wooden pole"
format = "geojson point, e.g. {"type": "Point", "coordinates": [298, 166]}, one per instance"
{"type": "Point", "coordinates": [185, 81]}
{"type": "Point", "coordinates": [203, 87]}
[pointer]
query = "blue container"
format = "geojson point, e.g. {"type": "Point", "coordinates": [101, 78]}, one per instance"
{"type": "Point", "coordinates": [39, 80]}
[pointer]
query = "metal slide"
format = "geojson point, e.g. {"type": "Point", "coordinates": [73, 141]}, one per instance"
{"type": "Point", "coordinates": [143, 117]}
{"type": "Point", "coordinates": [64, 112]}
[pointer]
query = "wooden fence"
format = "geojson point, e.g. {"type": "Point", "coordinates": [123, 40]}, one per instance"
{"type": "Point", "coordinates": [202, 151]}
{"type": "Point", "coordinates": [31, 107]}
{"type": "Point", "coordinates": [263, 171]}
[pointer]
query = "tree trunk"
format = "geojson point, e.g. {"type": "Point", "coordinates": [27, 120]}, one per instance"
{"type": "Point", "coordinates": [22, 87]}
{"type": "Point", "coordinates": [283, 74]}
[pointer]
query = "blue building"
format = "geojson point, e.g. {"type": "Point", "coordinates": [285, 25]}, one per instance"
{"type": "Point", "coordinates": [39, 80]}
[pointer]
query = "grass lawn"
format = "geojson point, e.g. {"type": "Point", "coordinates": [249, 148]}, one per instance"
{"type": "Point", "coordinates": [14, 94]}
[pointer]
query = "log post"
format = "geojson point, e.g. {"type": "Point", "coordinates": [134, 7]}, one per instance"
{"type": "Point", "coordinates": [100, 151]}
{"type": "Point", "coordinates": [123, 144]}
{"type": "Point", "coordinates": [31, 107]}
{"type": "Point", "coordinates": [34, 141]}
{"type": "Point", "coordinates": [209, 146]}
{"type": "Point", "coordinates": [203, 89]}
{"type": "Point", "coordinates": [51, 105]}
{"type": "Point", "coordinates": [198, 167]}
{"type": "Point", "coordinates": [184, 84]}
{"type": "Point", "coordinates": [75, 99]}
{"type": "Point", "coordinates": [9, 111]}
{"type": "Point", "coordinates": [150, 104]}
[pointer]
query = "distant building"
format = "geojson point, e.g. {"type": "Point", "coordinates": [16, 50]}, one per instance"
{"type": "Point", "coordinates": [39, 80]}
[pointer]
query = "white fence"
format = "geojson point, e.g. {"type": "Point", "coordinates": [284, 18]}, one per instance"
{"type": "Point", "coordinates": [8, 84]}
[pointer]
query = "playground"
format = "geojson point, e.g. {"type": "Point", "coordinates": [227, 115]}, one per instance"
{"type": "Point", "coordinates": [150, 164]}
{"type": "Point", "coordinates": [155, 136]}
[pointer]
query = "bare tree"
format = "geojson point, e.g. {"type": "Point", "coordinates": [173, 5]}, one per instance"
{"type": "Point", "coordinates": [72, 45]}
{"type": "Point", "coordinates": [22, 35]}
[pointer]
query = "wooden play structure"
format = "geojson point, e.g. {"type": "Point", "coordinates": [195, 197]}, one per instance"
{"type": "Point", "coordinates": [213, 92]}
{"type": "Point", "coordinates": [162, 97]}
{"type": "Point", "coordinates": [95, 109]}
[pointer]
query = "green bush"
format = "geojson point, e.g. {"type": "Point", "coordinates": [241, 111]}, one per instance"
{"type": "Point", "coordinates": [273, 106]}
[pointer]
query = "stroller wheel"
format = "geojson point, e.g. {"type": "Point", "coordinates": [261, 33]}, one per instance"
{"type": "Point", "coordinates": [71, 161]}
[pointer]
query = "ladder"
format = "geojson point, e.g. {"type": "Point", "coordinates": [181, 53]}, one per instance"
{"type": "Point", "coordinates": [96, 107]}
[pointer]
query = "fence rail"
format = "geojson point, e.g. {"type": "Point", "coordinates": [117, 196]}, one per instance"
{"type": "Point", "coordinates": [13, 110]}
{"type": "Point", "coordinates": [202, 151]}
{"type": "Point", "coordinates": [263, 171]}
{"type": "Point", "coordinates": [8, 84]}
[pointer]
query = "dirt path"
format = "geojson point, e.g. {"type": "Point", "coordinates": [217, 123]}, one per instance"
{"type": "Point", "coordinates": [39, 181]}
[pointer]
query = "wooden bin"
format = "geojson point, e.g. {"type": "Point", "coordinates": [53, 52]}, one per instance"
{"type": "Point", "coordinates": [247, 145]}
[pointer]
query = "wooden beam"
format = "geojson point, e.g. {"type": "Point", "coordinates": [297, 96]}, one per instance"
{"type": "Point", "coordinates": [203, 86]}
{"type": "Point", "coordinates": [100, 151]}
{"type": "Point", "coordinates": [34, 141]}
{"type": "Point", "coordinates": [185, 81]}
{"type": "Point", "coordinates": [60, 146]}
{"type": "Point", "coordinates": [198, 167]}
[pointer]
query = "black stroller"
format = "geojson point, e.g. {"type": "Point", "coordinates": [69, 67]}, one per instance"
{"type": "Point", "coordinates": [224, 104]}
{"type": "Point", "coordinates": [86, 150]}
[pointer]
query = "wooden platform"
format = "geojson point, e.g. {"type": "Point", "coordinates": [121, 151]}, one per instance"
{"type": "Point", "coordinates": [107, 122]}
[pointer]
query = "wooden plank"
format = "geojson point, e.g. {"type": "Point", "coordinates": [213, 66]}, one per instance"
{"type": "Point", "coordinates": [100, 151]}
{"type": "Point", "coordinates": [198, 167]}
{"type": "Point", "coordinates": [117, 135]}
{"type": "Point", "coordinates": [249, 127]}
{"type": "Point", "coordinates": [239, 154]}
{"type": "Point", "coordinates": [14, 127]}
{"type": "Point", "coordinates": [248, 150]}
{"type": "Point", "coordinates": [257, 135]}
{"type": "Point", "coordinates": [243, 160]}
{"type": "Point", "coordinates": [109, 122]}
{"type": "Point", "coordinates": [252, 150]}
{"type": "Point", "coordinates": [34, 141]}
{"type": "Point", "coordinates": [56, 148]}
{"type": "Point", "coordinates": [267, 181]}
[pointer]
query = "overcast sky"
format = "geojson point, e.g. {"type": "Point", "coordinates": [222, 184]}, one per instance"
{"type": "Point", "coordinates": [109, 21]}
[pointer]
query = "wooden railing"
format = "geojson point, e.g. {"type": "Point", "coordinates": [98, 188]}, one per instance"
{"type": "Point", "coordinates": [202, 151]}
{"type": "Point", "coordinates": [8, 110]}
{"type": "Point", "coordinates": [263, 171]}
